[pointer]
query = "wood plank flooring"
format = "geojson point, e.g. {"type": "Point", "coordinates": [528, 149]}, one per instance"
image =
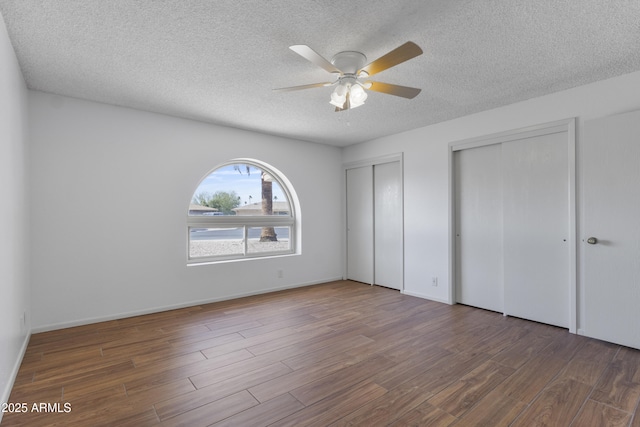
{"type": "Point", "coordinates": [336, 354]}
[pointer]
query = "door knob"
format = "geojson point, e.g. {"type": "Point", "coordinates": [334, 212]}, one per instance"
{"type": "Point", "coordinates": [592, 240]}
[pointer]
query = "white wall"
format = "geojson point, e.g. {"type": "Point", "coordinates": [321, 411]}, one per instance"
{"type": "Point", "coordinates": [427, 172]}
{"type": "Point", "coordinates": [14, 278]}
{"type": "Point", "coordinates": [110, 192]}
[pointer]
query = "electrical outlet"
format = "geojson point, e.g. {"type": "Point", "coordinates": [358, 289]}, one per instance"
{"type": "Point", "coordinates": [280, 274]}
{"type": "Point", "coordinates": [434, 281]}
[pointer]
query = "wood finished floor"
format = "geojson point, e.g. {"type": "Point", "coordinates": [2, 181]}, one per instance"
{"type": "Point", "coordinates": [340, 353]}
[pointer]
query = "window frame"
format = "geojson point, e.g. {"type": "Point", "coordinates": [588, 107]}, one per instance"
{"type": "Point", "coordinates": [245, 222]}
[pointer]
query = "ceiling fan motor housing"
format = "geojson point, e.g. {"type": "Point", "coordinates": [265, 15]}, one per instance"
{"type": "Point", "coordinates": [349, 62]}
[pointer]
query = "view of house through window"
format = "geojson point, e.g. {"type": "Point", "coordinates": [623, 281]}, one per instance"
{"type": "Point", "coordinates": [240, 210]}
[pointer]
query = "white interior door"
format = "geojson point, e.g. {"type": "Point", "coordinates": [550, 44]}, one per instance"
{"type": "Point", "coordinates": [536, 228]}
{"type": "Point", "coordinates": [360, 224]}
{"type": "Point", "coordinates": [478, 202]}
{"type": "Point", "coordinates": [610, 174]}
{"type": "Point", "coordinates": [388, 246]}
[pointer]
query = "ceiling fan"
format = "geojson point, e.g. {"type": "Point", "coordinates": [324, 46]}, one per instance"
{"type": "Point", "coordinates": [352, 73]}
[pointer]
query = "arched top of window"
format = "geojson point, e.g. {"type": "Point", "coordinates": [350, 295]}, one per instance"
{"type": "Point", "coordinates": [241, 209]}
{"type": "Point", "coordinates": [244, 188]}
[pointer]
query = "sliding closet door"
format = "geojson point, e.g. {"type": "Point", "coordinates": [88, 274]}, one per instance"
{"type": "Point", "coordinates": [388, 247]}
{"type": "Point", "coordinates": [512, 219]}
{"type": "Point", "coordinates": [360, 224]}
{"type": "Point", "coordinates": [374, 224]}
{"type": "Point", "coordinates": [479, 252]}
{"type": "Point", "coordinates": [536, 228]}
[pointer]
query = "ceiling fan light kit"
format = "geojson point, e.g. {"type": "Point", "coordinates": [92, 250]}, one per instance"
{"type": "Point", "coordinates": [350, 85]}
{"type": "Point", "coordinates": [349, 93]}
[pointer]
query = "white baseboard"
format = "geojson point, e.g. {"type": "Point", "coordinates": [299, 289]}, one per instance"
{"type": "Point", "coordinates": [6, 393]}
{"type": "Point", "coordinates": [419, 295]}
{"type": "Point", "coordinates": [88, 321]}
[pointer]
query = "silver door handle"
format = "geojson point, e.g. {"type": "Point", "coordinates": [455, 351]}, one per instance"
{"type": "Point", "coordinates": [592, 240]}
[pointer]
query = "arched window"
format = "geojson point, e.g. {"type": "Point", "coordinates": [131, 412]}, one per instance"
{"type": "Point", "coordinates": [242, 209]}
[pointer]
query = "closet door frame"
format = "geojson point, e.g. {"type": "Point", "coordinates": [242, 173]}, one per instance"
{"type": "Point", "coordinates": [394, 157]}
{"type": "Point", "coordinates": [568, 126]}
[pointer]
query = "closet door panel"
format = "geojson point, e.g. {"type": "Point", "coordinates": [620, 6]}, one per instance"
{"type": "Point", "coordinates": [536, 226]}
{"type": "Point", "coordinates": [360, 224]}
{"type": "Point", "coordinates": [388, 246]}
{"type": "Point", "coordinates": [478, 201]}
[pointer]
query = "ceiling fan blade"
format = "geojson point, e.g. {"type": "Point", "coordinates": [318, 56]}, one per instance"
{"type": "Point", "coordinates": [397, 90]}
{"type": "Point", "coordinates": [309, 86]}
{"type": "Point", "coordinates": [311, 55]}
{"type": "Point", "coordinates": [397, 56]}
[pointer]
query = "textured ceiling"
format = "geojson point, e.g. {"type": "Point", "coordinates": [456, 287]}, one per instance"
{"type": "Point", "coordinates": [218, 61]}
